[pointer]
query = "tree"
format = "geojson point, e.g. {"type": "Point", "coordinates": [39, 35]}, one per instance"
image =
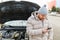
{"type": "Point", "coordinates": [53, 9]}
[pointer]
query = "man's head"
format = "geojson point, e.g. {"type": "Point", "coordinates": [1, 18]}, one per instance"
{"type": "Point", "coordinates": [41, 16]}
{"type": "Point", "coordinates": [42, 12]}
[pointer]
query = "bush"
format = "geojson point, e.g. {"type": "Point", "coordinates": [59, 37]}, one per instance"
{"type": "Point", "coordinates": [54, 9]}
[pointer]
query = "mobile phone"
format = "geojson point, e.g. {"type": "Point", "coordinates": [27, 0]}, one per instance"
{"type": "Point", "coordinates": [48, 28]}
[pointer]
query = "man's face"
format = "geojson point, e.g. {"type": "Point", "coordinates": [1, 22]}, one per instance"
{"type": "Point", "coordinates": [41, 16]}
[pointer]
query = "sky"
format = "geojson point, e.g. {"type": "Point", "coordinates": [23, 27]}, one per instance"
{"type": "Point", "coordinates": [57, 3]}
{"type": "Point", "coordinates": [40, 2]}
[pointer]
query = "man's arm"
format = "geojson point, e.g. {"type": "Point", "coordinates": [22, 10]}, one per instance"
{"type": "Point", "coordinates": [32, 31]}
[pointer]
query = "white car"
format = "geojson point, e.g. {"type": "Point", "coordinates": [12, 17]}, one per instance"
{"type": "Point", "coordinates": [53, 13]}
{"type": "Point", "coordinates": [14, 27]}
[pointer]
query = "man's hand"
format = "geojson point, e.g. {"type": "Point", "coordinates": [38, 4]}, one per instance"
{"type": "Point", "coordinates": [50, 39]}
{"type": "Point", "coordinates": [45, 30]}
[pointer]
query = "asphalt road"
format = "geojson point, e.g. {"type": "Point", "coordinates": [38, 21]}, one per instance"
{"type": "Point", "coordinates": [55, 21]}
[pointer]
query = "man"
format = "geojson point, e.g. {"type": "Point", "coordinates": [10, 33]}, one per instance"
{"type": "Point", "coordinates": [38, 27]}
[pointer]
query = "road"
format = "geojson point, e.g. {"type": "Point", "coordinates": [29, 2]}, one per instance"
{"type": "Point", "coordinates": [55, 21]}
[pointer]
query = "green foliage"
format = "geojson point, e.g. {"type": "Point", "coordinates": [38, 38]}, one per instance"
{"type": "Point", "coordinates": [58, 10]}
{"type": "Point", "coordinates": [53, 9]}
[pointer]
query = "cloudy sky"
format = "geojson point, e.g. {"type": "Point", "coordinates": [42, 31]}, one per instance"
{"type": "Point", "coordinates": [57, 3]}
{"type": "Point", "coordinates": [40, 2]}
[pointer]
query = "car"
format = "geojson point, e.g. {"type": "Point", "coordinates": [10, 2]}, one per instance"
{"type": "Point", "coordinates": [18, 11]}
{"type": "Point", "coordinates": [14, 29]}
{"type": "Point", "coordinates": [14, 17]}
{"type": "Point", "coordinates": [53, 13]}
